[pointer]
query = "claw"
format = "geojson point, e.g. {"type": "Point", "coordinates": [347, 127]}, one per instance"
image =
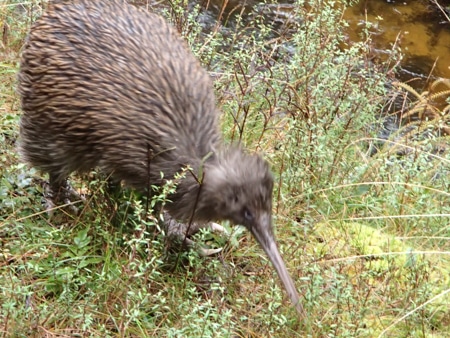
{"type": "Point", "coordinates": [208, 252]}
{"type": "Point", "coordinates": [217, 227]}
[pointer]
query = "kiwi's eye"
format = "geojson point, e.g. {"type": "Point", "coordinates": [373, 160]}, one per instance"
{"type": "Point", "coordinates": [248, 215]}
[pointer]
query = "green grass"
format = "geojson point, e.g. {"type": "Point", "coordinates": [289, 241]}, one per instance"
{"type": "Point", "coordinates": [366, 238]}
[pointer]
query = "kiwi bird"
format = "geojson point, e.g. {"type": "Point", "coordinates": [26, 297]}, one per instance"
{"type": "Point", "coordinates": [104, 84]}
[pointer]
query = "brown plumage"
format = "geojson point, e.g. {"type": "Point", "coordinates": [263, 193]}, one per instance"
{"type": "Point", "coordinates": [106, 85]}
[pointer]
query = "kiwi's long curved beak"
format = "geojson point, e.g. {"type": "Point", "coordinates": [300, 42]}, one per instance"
{"type": "Point", "coordinates": [262, 231]}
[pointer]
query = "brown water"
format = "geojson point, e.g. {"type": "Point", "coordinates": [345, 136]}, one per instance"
{"type": "Point", "coordinates": [421, 31]}
{"type": "Point", "coordinates": [416, 26]}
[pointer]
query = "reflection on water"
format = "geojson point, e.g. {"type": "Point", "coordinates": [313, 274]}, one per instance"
{"type": "Point", "coordinates": [424, 36]}
{"type": "Point", "coordinates": [416, 26]}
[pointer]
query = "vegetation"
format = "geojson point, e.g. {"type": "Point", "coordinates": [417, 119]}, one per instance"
{"type": "Point", "coordinates": [361, 214]}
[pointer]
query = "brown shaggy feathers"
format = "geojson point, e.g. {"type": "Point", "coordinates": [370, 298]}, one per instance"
{"type": "Point", "coordinates": [106, 85]}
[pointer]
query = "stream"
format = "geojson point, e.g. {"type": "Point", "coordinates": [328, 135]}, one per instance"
{"type": "Point", "coordinates": [418, 27]}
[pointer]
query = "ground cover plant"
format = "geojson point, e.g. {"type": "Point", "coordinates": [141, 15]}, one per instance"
{"type": "Point", "coordinates": [361, 210]}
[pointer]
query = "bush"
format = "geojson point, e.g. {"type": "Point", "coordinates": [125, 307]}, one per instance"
{"type": "Point", "coordinates": [364, 232]}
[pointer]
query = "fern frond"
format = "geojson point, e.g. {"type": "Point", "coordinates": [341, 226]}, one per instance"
{"type": "Point", "coordinates": [445, 82]}
{"type": "Point", "coordinates": [438, 95]}
{"type": "Point", "coordinates": [410, 89]}
{"type": "Point", "coordinates": [446, 110]}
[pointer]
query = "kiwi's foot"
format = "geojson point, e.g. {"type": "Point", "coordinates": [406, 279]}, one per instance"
{"type": "Point", "coordinates": [61, 196]}
{"type": "Point", "coordinates": [179, 232]}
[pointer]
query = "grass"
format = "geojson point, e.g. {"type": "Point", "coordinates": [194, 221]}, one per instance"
{"type": "Point", "coordinates": [364, 233]}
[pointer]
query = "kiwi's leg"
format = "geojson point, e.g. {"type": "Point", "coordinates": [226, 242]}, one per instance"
{"type": "Point", "coordinates": [59, 192]}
